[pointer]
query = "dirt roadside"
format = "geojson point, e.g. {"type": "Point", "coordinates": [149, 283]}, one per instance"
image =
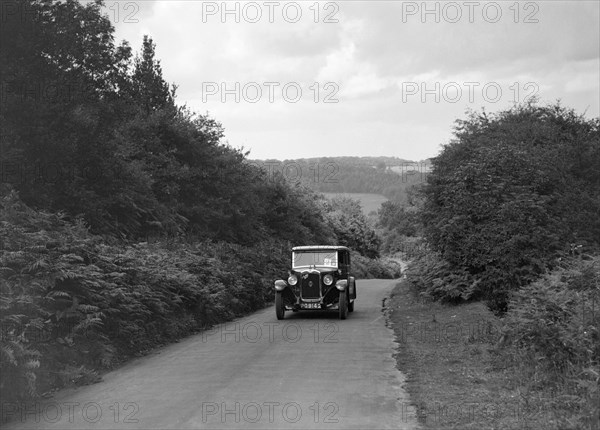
{"type": "Point", "coordinates": [454, 378]}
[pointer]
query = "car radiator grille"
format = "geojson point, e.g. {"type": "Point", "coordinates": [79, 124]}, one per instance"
{"type": "Point", "coordinates": [310, 286]}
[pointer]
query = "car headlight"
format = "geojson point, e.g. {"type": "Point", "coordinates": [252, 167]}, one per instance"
{"type": "Point", "coordinates": [328, 279]}
{"type": "Point", "coordinates": [292, 280]}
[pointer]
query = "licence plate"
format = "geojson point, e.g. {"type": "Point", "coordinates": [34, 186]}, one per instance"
{"type": "Point", "coordinates": [310, 305]}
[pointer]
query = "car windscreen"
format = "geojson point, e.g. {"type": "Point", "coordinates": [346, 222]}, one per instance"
{"type": "Point", "coordinates": [314, 258]}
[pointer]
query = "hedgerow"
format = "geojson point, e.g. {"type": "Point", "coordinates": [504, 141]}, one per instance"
{"type": "Point", "coordinates": [72, 306]}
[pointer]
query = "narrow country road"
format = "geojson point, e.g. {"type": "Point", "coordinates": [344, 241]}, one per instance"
{"type": "Point", "coordinates": [310, 370]}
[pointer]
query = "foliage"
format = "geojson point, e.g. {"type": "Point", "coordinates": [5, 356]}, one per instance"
{"type": "Point", "coordinates": [392, 216]}
{"type": "Point", "coordinates": [351, 227]}
{"type": "Point", "coordinates": [294, 212]}
{"type": "Point", "coordinates": [552, 332]}
{"type": "Point", "coordinates": [90, 130]}
{"type": "Point", "coordinates": [71, 305]}
{"type": "Point", "coordinates": [400, 229]}
{"type": "Point", "coordinates": [149, 86]}
{"type": "Point", "coordinates": [509, 194]}
{"type": "Point", "coordinates": [433, 277]}
{"type": "Point", "coordinates": [378, 268]}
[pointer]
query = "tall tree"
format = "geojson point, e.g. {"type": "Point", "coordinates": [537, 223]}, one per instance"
{"type": "Point", "coordinates": [512, 191]}
{"type": "Point", "coordinates": [351, 226]}
{"type": "Point", "coordinates": [149, 87]}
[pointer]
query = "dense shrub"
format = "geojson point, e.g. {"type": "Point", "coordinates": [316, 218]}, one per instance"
{"type": "Point", "coordinates": [551, 331]}
{"type": "Point", "coordinates": [71, 305]}
{"type": "Point", "coordinates": [400, 228]}
{"type": "Point", "coordinates": [381, 268]}
{"type": "Point", "coordinates": [351, 227]}
{"type": "Point", "coordinates": [404, 247]}
{"type": "Point", "coordinates": [509, 194]}
{"type": "Point", "coordinates": [433, 277]}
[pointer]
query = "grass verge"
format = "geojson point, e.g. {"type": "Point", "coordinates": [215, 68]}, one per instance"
{"type": "Point", "coordinates": [455, 377]}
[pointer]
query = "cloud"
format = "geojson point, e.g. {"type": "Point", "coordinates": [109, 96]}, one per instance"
{"type": "Point", "coordinates": [373, 53]}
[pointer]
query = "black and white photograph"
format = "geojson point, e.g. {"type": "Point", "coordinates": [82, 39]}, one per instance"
{"type": "Point", "coordinates": [311, 214]}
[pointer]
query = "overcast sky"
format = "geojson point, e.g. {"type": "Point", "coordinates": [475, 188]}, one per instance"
{"type": "Point", "coordinates": [367, 78]}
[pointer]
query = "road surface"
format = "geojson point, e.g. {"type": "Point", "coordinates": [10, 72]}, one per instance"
{"type": "Point", "coordinates": [310, 370]}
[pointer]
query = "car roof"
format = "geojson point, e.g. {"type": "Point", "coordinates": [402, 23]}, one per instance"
{"type": "Point", "coordinates": [320, 248]}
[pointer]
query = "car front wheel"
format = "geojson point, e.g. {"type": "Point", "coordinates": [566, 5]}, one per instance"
{"type": "Point", "coordinates": [279, 308]}
{"type": "Point", "coordinates": [343, 305]}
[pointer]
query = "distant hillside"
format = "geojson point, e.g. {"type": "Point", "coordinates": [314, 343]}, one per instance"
{"type": "Point", "coordinates": [368, 201]}
{"type": "Point", "coordinates": [387, 176]}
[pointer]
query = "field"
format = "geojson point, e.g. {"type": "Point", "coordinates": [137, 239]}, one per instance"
{"type": "Point", "coordinates": [369, 202]}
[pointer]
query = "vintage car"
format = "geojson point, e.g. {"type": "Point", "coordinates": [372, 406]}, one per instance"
{"type": "Point", "coordinates": [320, 279]}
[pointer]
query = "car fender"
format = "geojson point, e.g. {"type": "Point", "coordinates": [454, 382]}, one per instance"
{"type": "Point", "coordinates": [342, 285]}
{"type": "Point", "coordinates": [280, 285]}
